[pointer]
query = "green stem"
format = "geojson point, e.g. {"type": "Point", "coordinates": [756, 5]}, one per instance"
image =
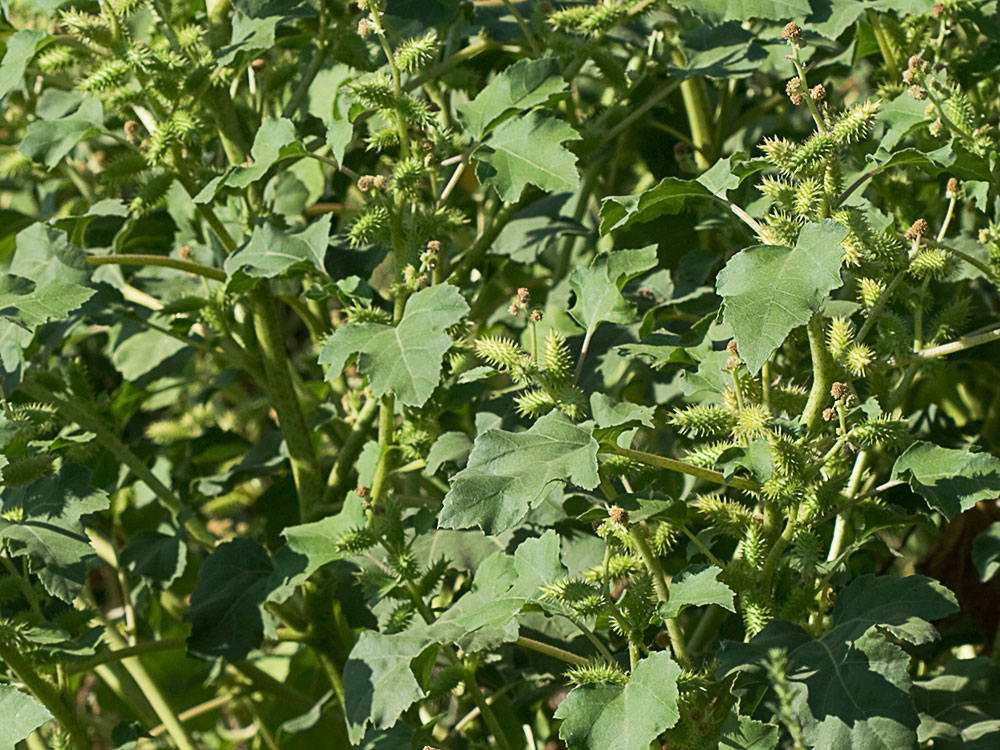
{"type": "Point", "coordinates": [114, 445]}
{"type": "Point", "coordinates": [404, 135]}
{"type": "Point", "coordinates": [167, 644]}
{"type": "Point", "coordinates": [840, 527]}
{"type": "Point", "coordinates": [774, 557]}
{"type": "Point", "coordinates": [823, 369]}
{"type": "Point", "coordinates": [652, 563]}
{"type": "Point", "coordinates": [672, 464]}
{"type": "Point", "coordinates": [695, 99]}
{"type": "Point", "coordinates": [554, 651]}
{"type": "Point", "coordinates": [891, 64]}
{"type": "Point", "coordinates": [301, 452]}
{"type": "Point", "coordinates": [349, 451]}
{"type": "Point", "coordinates": [525, 28]}
{"type": "Point", "coordinates": [386, 425]}
{"type": "Point", "coordinates": [133, 259]}
{"type": "Point", "coordinates": [46, 694]}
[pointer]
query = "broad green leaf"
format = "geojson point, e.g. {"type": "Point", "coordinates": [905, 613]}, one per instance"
{"type": "Point", "coordinates": [404, 359]}
{"type": "Point", "coordinates": [275, 140]}
{"type": "Point", "coordinates": [272, 251]}
{"type": "Point", "coordinates": [453, 447]}
{"type": "Point", "coordinates": [901, 116]}
{"type": "Point", "coordinates": [21, 300]}
{"type": "Point", "coordinates": [951, 481]}
{"type": "Point", "coordinates": [535, 228]}
{"type": "Point", "coordinates": [310, 546]}
{"type": "Point", "coordinates": [959, 705]}
{"type": "Point", "coordinates": [526, 151]}
{"type": "Point", "coordinates": [719, 178]}
{"type": "Point", "coordinates": [225, 613]}
{"type": "Point", "coordinates": [669, 196]}
{"type": "Point", "coordinates": [986, 551]}
{"type": "Point", "coordinates": [598, 288]}
{"type": "Point", "coordinates": [525, 84]}
{"type": "Point", "coordinates": [21, 714]}
{"type": "Point", "coordinates": [48, 526]}
{"type": "Point", "coordinates": [156, 556]}
{"type": "Point", "coordinates": [609, 412]}
{"type": "Point", "coordinates": [743, 733]}
{"type": "Point", "coordinates": [851, 687]}
{"type": "Point", "coordinates": [142, 352]}
{"type": "Point", "coordinates": [378, 680]}
{"type": "Point", "coordinates": [248, 34]}
{"type": "Point", "coordinates": [663, 349]}
{"type": "Point", "coordinates": [696, 587]}
{"type": "Point", "coordinates": [768, 290]}
{"type": "Point", "coordinates": [44, 254]}
{"type": "Point", "coordinates": [21, 47]}
{"type": "Point", "coordinates": [718, 11]}
{"type": "Point", "coordinates": [509, 473]}
{"type": "Point", "coordinates": [613, 717]}
{"type": "Point", "coordinates": [339, 134]}
{"type": "Point", "coordinates": [48, 141]}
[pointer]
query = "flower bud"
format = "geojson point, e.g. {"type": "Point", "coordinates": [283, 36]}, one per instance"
{"type": "Point", "coordinates": [839, 390]}
{"type": "Point", "coordinates": [917, 229]}
{"type": "Point", "coordinates": [951, 191]}
{"type": "Point", "coordinates": [536, 316]}
{"type": "Point", "coordinates": [618, 514]}
{"type": "Point", "coordinates": [793, 34]}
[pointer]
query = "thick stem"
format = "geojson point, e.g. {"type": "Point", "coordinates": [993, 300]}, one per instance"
{"type": "Point", "coordinates": [46, 694]}
{"type": "Point", "coordinates": [884, 45]}
{"type": "Point", "coordinates": [840, 527]}
{"type": "Point", "coordinates": [350, 450]}
{"type": "Point", "coordinates": [823, 369]}
{"type": "Point", "coordinates": [301, 452]}
{"type": "Point", "coordinates": [696, 105]}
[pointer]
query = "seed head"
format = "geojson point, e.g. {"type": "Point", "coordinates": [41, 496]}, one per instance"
{"type": "Point", "coordinates": [364, 28]}
{"type": "Point", "coordinates": [839, 390]}
{"type": "Point", "coordinates": [733, 363]}
{"type": "Point", "coordinates": [618, 514]}
{"type": "Point", "coordinates": [793, 33]}
{"type": "Point", "coordinates": [523, 295]}
{"type": "Point", "coordinates": [732, 348]}
{"type": "Point", "coordinates": [794, 90]}
{"type": "Point", "coordinates": [917, 229]}
{"type": "Point", "coordinates": [365, 183]}
{"type": "Point", "coordinates": [536, 316]}
{"type": "Point", "coordinates": [916, 63]}
{"type": "Point", "coordinates": [909, 76]}
{"type": "Point", "coordinates": [829, 414]}
{"type": "Point", "coordinates": [918, 92]}
{"type": "Point", "coordinates": [951, 191]}
{"type": "Point", "coordinates": [363, 491]}
{"type": "Point", "coordinates": [514, 308]}
{"type": "Point", "coordinates": [936, 128]}
{"type": "Point", "coordinates": [818, 92]}
{"type": "Point", "coordinates": [434, 246]}
{"type": "Point", "coordinates": [379, 181]}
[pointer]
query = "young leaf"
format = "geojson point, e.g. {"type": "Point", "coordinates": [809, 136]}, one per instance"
{"type": "Point", "coordinates": [525, 84]}
{"type": "Point", "coordinates": [951, 481]}
{"type": "Point", "coordinates": [769, 290]}
{"type": "Point", "coordinates": [525, 151]}
{"type": "Point", "coordinates": [598, 288]}
{"type": "Point", "coordinates": [405, 359]}
{"type": "Point", "coordinates": [719, 11]}
{"type": "Point", "coordinates": [669, 196]}
{"type": "Point", "coordinates": [696, 588]}
{"type": "Point", "coordinates": [272, 251]}
{"type": "Point", "coordinates": [156, 556]}
{"type": "Point", "coordinates": [511, 472]}
{"type": "Point", "coordinates": [613, 717]}
{"type": "Point", "coordinates": [275, 140]}
{"type": "Point", "coordinates": [22, 715]}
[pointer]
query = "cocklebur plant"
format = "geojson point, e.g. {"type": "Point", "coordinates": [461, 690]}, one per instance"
{"type": "Point", "coordinates": [389, 363]}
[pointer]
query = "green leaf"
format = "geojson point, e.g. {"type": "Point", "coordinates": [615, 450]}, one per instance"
{"type": "Point", "coordinates": [272, 251]}
{"type": "Point", "coordinates": [769, 290]}
{"type": "Point", "coordinates": [696, 587]}
{"type": "Point", "coordinates": [142, 352]}
{"type": "Point", "coordinates": [536, 228]}
{"type": "Point", "coordinates": [21, 47]}
{"type": "Point", "coordinates": [901, 116]}
{"type": "Point", "coordinates": [453, 447]}
{"type": "Point", "coordinates": [225, 614]}
{"type": "Point", "coordinates": [669, 196]}
{"type": "Point", "coordinates": [510, 473]}
{"type": "Point", "coordinates": [598, 288]}
{"type": "Point", "coordinates": [378, 680]}
{"type": "Point", "coordinates": [525, 84]}
{"type": "Point", "coordinates": [850, 687]}
{"type": "Point", "coordinates": [49, 529]}
{"type": "Point", "coordinates": [339, 134]}
{"type": "Point", "coordinates": [959, 705]}
{"type": "Point", "coordinates": [156, 556]}
{"type": "Point", "coordinates": [718, 11]}
{"type": "Point", "coordinates": [22, 715]}
{"type": "Point", "coordinates": [48, 141]}
{"type": "Point", "coordinates": [662, 349]}
{"type": "Point", "coordinates": [986, 551]}
{"type": "Point", "coordinates": [310, 546]}
{"type": "Point", "coordinates": [528, 151]}
{"type": "Point", "coordinates": [405, 359]}
{"type": "Point", "coordinates": [743, 733]}
{"type": "Point", "coordinates": [613, 717]}
{"type": "Point", "coordinates": [951, 481]}
{"type": "Point", "coordinates": [275, 140]}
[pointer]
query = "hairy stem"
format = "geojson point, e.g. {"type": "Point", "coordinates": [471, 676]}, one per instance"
{"type": "Point", "coordinates": [133, 259]}
{"type": "Point", "coordinates": [672, 464]}
{"type": "Point", "coordinates": [823, 369]}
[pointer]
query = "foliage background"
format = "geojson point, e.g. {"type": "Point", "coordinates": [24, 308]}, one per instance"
{"type": "Point", "coordinates": [518, 375]}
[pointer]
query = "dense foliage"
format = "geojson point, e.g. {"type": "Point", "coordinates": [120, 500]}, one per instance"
{"type": "Point", "coordinates": [519, 375]}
